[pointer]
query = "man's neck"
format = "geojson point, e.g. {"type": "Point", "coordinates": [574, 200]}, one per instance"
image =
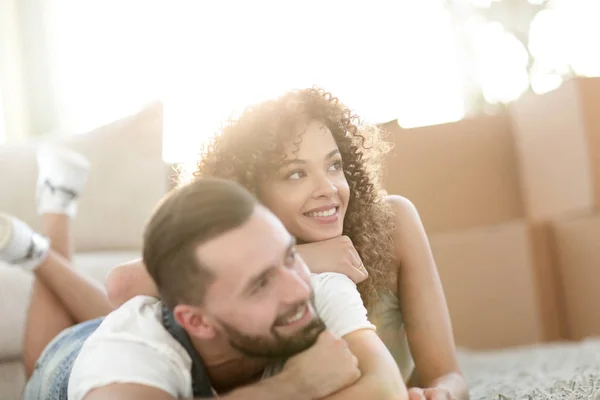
{"type": "Point", "coordinates": [227, 369]}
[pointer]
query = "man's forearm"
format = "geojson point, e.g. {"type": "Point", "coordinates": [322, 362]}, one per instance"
{"type": "Point", "coordinates": [281, 386]}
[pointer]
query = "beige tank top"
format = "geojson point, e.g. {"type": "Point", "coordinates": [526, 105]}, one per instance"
{"type": "Point", "coordinates": [386, 316]}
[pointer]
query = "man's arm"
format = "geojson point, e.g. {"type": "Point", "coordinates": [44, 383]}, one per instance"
{"type": "Point", "coordinates": [321, 370]}
{"type": "Point", "coordinates": [282, 386]}
{"type": "Point", "coordinates": [380, 377]}
{"type": "Point", "coordinates": [340, 306]}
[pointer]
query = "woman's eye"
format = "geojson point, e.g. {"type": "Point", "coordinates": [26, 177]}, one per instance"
{"type": "Point", "coordinates": [295, 175]}
{"type": "Point", "coordinates": [336, 166]}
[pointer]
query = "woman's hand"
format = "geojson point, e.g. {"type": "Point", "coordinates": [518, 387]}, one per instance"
{"type": "Point", "coordinates": [334, 255]}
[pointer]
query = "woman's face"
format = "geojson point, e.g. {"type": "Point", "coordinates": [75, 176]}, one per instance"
{"type": "Point", "coordinates": [309, 193]}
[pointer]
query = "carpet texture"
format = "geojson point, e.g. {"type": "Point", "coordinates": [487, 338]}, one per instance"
{"type": "Point", "coordinates": [566, 371]}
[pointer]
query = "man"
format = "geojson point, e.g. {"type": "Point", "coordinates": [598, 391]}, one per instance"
{"type": "Point", "coordinates": [236, 301]}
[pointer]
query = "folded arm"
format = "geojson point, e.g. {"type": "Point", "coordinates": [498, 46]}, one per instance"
{"type": "Point", "coordinates": [380, 376]}
{"type": "Point", "coordinates": [125, 281]}
{"type": "Point", "coordinates": [340, 306]}
{"type": "Point", "coordinates": [278, 387]}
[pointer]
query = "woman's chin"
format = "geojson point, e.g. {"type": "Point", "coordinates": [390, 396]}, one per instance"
{"type": "Point", "coordinates": [313, 230]}
{"type": "Point", "coordinates": [319, 235]}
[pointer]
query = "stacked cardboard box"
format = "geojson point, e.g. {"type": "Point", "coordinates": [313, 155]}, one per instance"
{"type": "Point", "coordinates": [459, 175]}
{"type": "Point", "coordinates": [509, 204]}
{"type": "Point", "coordinates": [490, 285]}
{"type": "Point", "coordinates": [578, 245]}
{"type": "Point", "coordinates": [464, 180]}
{"type": "Point", "coordinates": [557, 136]}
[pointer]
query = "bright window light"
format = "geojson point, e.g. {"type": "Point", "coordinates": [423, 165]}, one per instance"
{"type": "Point", "coordinates": [107, 58]}
{"type": "Point", "coordinates": [544, 83]}
{"type": "Point", "coordinates": [566, 35]}
{"type": "Point", "coordinates": [385, 59]}
{"type": "Point", "coordinates": [501, 64]}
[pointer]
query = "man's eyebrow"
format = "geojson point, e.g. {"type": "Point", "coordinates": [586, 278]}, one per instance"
{"type": "Point", "coordinates": [261, 275]}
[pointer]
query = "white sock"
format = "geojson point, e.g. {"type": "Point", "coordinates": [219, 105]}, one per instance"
{"type": "Point", "coordinates": [20, 245]}
{"type": "Point", "coordinates": [62, 175]}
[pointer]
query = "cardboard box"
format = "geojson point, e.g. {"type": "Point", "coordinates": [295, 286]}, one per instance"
{"type": "Point", "coordinates": [557, 136]}
{"type": "Point", "coordinates": [459, 175]}
{"type": "Point", "coordinates": [578, 245]}
{"type": "Point", "coordinates": [490, 278]}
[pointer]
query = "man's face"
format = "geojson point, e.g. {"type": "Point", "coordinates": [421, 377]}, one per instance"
{"type": "Point", "coordinates": [261, 298]}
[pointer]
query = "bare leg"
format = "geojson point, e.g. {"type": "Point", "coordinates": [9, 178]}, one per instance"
{"type": "Point", "coordinates": [61, 297]}
{"type": "Point", "coordinates": [83, 298]}
{"type": "Point", "coordinates": [57, 227]}
{"type": "Point", "coordinates": [62, 175]}
{"type": "Point", "coordinates": [46, 316]}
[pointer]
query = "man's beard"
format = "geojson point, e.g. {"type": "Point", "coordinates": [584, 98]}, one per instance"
{"type": "Point", "coordinates": [275, 345]}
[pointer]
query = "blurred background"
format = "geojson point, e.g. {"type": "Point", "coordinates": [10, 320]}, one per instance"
{"type": "Point", "coordinates": [491, 105]}
{"type": "Point", "coordinates": [71, 65]}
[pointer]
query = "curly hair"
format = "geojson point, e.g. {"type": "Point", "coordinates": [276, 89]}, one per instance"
{"type": "Point", "coordinates": [252, 146]}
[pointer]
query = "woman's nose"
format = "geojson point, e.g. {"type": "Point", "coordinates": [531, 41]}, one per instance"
{"type": "Point", "coordinates": [324, 188]}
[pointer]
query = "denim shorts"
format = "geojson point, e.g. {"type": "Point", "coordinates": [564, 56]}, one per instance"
{"type": "Point", "coordinates": [50, 378]}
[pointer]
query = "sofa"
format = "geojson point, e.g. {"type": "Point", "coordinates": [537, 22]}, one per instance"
{"type": "Point", "coordinates": [127, 178]}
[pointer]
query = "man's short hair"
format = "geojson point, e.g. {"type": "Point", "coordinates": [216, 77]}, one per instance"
{"type": "Point", "coordinates": [186, 218]}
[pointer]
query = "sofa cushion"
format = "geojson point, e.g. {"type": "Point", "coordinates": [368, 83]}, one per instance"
{"type": "Point", "coordinates": [127, 178]}
{"type": "Point", "coordinates": [12, 379]}
{"type": "Point", "coordinates": [15, 288]}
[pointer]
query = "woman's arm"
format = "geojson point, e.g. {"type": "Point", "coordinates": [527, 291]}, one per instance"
{"type": "Point", "coordinates": [334, 255]}
{"type": "Point", "coordinates": [424, 308]}
{"type": "Point", "coordinates": [128, 280]}
{"type": "Point", "coordinates": [131, 279]}
{"type": "Point", "coordinates": [125, 281]}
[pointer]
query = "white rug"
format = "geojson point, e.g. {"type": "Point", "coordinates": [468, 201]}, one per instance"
{"type": "Point", "coordinates": [566, 371]}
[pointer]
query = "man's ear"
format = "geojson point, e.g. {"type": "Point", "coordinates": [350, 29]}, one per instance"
{"type": "Point", "coordinates": [194, 321]}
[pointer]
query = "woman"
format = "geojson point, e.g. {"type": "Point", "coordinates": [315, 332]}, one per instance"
{"type": "Point", "coordinates": [309, 160]}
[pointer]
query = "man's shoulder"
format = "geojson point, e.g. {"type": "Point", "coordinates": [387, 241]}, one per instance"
{"type": "Point", "coordinates": [139, 307]}
{"type": "Point", "coordinates": [139, 315]}
{"type": "Point", "coordinates": [131, 345]}
{"type": "Point", "coordinates": [139, 320]}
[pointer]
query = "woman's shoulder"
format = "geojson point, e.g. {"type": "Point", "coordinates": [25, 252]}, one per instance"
{"type": "Point", "coordinates": [406, 217]}
{"type": "Point", "coordinates": [408, 227]}
{"type": "Point", "coordinates": [401, 205]}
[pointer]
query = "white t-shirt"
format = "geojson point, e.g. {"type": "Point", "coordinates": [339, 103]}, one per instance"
{"type": "Point", "coordinates": [132, 346]}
